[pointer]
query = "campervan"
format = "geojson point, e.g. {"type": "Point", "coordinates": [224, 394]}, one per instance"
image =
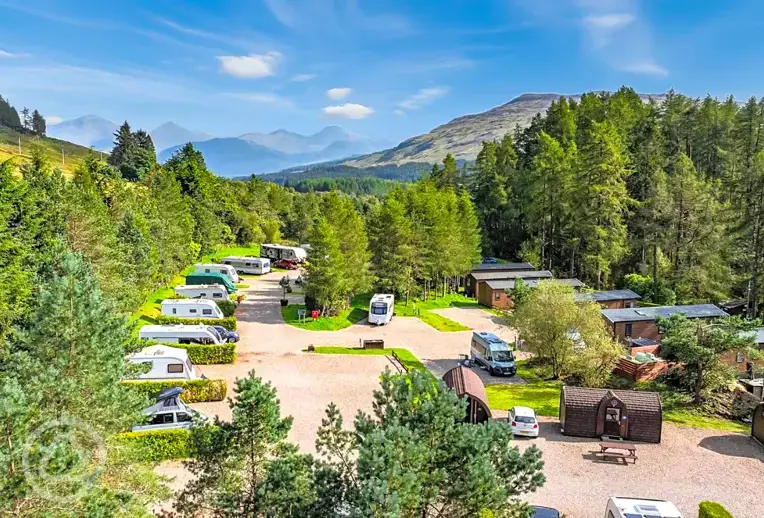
{"type": "Point", "coordinates": [181, 334]}
{"type": "Point", "coordinates": [226, 269]}
{"type": "Point", "coordinates": [169, 411]}
{"type": "Point", "coordinates": [167, 363]}
{"type": "Point", "coordinates": [202, 291]}
{"type": "Point", "coordinates": [191, 308]}
{"type": "Point", "coordinates": [619, 507]}
{"type": "Point", "coordinates": [196, 279]}
{"type": "Point", "coordinates": [381, 309]}
{"type": "Point", "coordinates": [276, 252]}
{"type": "Point", "coordinates": [492, 353]}
{"type": "Point", "coordinates": [253, 265]}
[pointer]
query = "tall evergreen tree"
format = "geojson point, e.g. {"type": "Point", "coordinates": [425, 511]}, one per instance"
{"type": "Point", "coordinates": [38, 125]}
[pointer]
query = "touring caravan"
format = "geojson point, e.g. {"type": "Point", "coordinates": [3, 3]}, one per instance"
{"type": "Point", "coordinates": [276, 252]}
{"type": "Point", "coordinates": [202, 291]}
{"type": "Point", "coordinates": [167, 363]}
{"type": "Point", "coordinates": [381, 309]}
{"type": "Point", "coordinates": [492, 353]}
{"type": "Point", "coordinates": [196, 279]}
{"type": "Point", "coordinates": [619, 507]}
{"type": "Point", "coordinates": [181, 334]}
{"type": "Point", "coordinates": [253, 265]}
{"type": "Point", "coordinates": [191, 308]}
{"type": "Point", "coordinates": [226, 269]}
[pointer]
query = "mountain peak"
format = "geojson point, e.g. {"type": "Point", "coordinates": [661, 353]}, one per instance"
{"type": "Point", "coordinates": [531, 97]}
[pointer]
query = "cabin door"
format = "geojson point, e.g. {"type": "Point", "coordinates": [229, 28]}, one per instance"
{"type": "Point", "coordinates": [612, 417]}
{"type": "Point", "coordinates": [613, 421]}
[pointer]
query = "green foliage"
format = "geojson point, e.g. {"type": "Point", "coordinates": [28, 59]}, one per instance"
{"type": "Point", "coordinates": [366, 185]}
{"type": "Point", "coordinates": [407, 358]}
{"type": "Point", "coordinates": [194, 391]}
{"type": "Point", "coordinates": [200, 354]}
{"type": "Point", "coordinates": [644, 286]}
{"type": "Point", "coordinates": [227, 322]}
{"type": "Point", "coordinates": [357, 311]}
{"type": "Point", "coordinates": [8, 115]}
{"type": "Point", "coordinates": [157, 445]}
{"type": "Point", "coordinates": [709, 509]}
{"type": "Point", "coordinates": [228, 307]}
{"type": "Point", "coordinates": [520, 293]}
{"type": "Point", "coordinates": [540, 394]}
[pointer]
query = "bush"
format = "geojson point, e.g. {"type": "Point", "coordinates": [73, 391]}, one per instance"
{"type": "Point", "coordinates": [157, 445]}
{"type": "Point", "coordinates": [228, 322]}
{"type": "Point", "coordinates": [227, 307]}
{"type": "Point", "coordinates": [713, 510]}
{"type": "Point", "coordinates": [202, 354]}
{"type": "Point", "coordinates": [194, 391]}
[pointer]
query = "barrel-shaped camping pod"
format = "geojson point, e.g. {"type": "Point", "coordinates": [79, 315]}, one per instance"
{"type": "Point", "coordinates": [757, 428]}
{"type": "Point", "coordinates": [628, 414]}
{"type": "Point", "coordinates": [468, 385]}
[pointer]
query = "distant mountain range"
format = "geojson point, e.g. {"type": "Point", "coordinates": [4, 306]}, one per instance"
{"type": "Point", "coordinates": [89, 131]}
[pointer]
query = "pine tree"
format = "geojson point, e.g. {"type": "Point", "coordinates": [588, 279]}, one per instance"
{"type": "Point", "coordinates": [324, 272]}
{"type": "Point", "coordinates": [38, 125]}
{"type": "Point", "coordinates": [26, 119]}
{"type": "Point", "coordinates": [124, 145]}
{"type": "Point", "coordinates": [9, 117]}
{"type": "Point", "coordinates": [392, 246]}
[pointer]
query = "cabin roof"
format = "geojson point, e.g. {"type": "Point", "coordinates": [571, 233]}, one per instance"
{"type": "Point", "coordinates": [609, 295]}
{"type": "Point", "coordinates": [499, 267]}
{"type": "Point", "coordinates": [758, 335]}
{"type": "Point", "coordinates": [635, 400]}
{"type": "Point", "coordinates": [465, 382]}
{"type": "Point", "coordinates": [536, 274]}
{"type": "Point", "coordinates": [651, 313]}
{"type": "Point", "coordinates": [531, 283]}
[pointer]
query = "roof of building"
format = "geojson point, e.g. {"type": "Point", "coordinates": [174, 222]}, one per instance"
{"type": "Point", "coordinates": [535, 274]}
{"type": "Point", "coordinates": [635, 400]}
{"type": "Point", "coordinates": [605, 296]}
{"type": "Point", "coordinates": [465, 382]}
{"type": "Point", "coordinates": [502, 267]}
{"type": "Point", "coordinates": [650, 313]}
{"type": "Point", "coordinates": [531, 283]}
{"type": "Point", "coordinates": [758, 335]}
{"type": "Point", "coordinates": [643, 342]}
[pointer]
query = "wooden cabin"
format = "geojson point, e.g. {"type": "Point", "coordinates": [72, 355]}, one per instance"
{"type": "Point", "coordinates": [468, 385]}
{"type": "Point", "coordinates": [495, 293]}
{"type": "Point", "coordinates": [627, 323]}
{"type": "Point", "coordinates": [757, 427]}
{"type": "Point", "coordinates": [611, 299]}
{"type": "Point", "coordinates": [476, 279]}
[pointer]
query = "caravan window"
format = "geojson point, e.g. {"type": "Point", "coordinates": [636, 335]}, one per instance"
{"type": "Point", "coordinates": [206, 270]}
{"type": "Point", "coordinates": [192, 310]}
{"type": "Point", "coordinates": [174, 368]}
{"type": "Point", "coordinates": [162, 419]}
{"type": "Point", "coordinates": [174, 311]}
{"type": "Point", "coordinates": [206, 312]}
{"type": "Point", "coordinates": [379, 309]}
{"type": "Point", "coordinates": [217, 295]}
{"type": "Point", "coordinates": [182, 417]}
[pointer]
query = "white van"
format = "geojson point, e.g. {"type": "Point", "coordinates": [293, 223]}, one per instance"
{"type": "Point", "coordinates": [253, 265]}
{"type": "Point", "coordinates": [225, 269]}
{"type": "Point", "coordinates": [492, 353]}
{"type": "Point", "coordinates": [167, 363]}
{"type": "Point", "coordinates": [276, 252]}
{"type": "Point", "coordinates": [381, 309]}
{"type": "Point", "coordinates": [181, 334]}
{"type": "Point", "coordinates": [169, 412]}
{"type": "Point", "coordinates": [191, 308]}
{"type": "Point", "coordinates": [202, 291]}
{"type": "Point", "coordinates": [619, 507]}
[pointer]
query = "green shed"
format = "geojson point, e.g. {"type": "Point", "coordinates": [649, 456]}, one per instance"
{"type": "Point", "coordinates": [210, 278]}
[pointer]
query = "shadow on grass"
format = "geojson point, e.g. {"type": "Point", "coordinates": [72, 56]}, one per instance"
{"type": "Point", "coordinates": [356, 315]}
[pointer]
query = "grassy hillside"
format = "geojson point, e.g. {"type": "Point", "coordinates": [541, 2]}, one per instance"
{"type": "Point", "coordinates": [73, 154]}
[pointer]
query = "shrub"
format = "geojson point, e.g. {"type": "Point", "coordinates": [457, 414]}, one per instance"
{"type": "Point", "coordinates": [202, 354]}
{"type": "Point", "coordinates": [713, 510]}
{"type": "Point", "coordinates": [194, 391]}
{"type": "Point", "coordinates": [228, 322]}
{"type": "Point", "coordinates": [157, 445]}
{"type": "Point", "coordinates": [227, 307]}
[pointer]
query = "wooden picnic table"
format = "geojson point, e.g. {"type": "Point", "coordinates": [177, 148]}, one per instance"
{"type": "Point", "coordinates": [607, 447]}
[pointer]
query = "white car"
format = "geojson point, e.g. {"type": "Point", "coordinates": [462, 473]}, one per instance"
{"type": "Point", "coordinates": [523, 421]}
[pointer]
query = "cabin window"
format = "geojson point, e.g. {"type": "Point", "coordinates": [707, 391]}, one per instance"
{"type": "Point", "coordinates": [217, 295]}
{"type": "Point", "coordinates": [496, 295]}
{"type": "Point", "coordinates": [627, 330]}
{"type": "Point", "coordinates": [182, 417]}
{"type": "Point", "coordinates": [174, 368]}
{"type": "Point", "coordinates": [192, 311]}
{"type": "Point", "coordinates": [739, 358]}
{"type": "Point", "coordinates": [206, 312]}
{"type": "Point", "coordinates": [162, 419]}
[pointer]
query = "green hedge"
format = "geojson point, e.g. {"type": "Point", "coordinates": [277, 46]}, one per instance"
{"type": "Point", "coordinates": [228, 322]}
{"type": "Point", "coordinates": [202, 354]}
{"type": "Point", "coordinates": [713, 510]}
{"type": "Point", "coordinates": [227, 307]}
{"type": "Point", "coordinates": [158, 445]}
{"type": "Point", "coordinates": [194, 391]}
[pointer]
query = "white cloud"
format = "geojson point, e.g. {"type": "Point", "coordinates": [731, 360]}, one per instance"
{"type": "Point", "coordinates": [9, 55]}
{"type": "Point", "coordinates": [422, 98]}
{"type": "Point", "coordinates": [283, 12]}
{"type": "Point", "coordinates": [336, 94]}
{"type": "Point", "coordinates": [348, 111]}
{"type": "Point", "coordinates": [53, 119]}
{"type": "Point", "coordinates": [262, 98]}
{"type": "Point", "coordinates": [300, 78]}
{"type": "Point", "coordinates": [399, 112]}
{"type": "Point", "coordinates": [610, 21]}
{"type": "Point", "coordinates": [650, 68]}
{"type": "Point", "coordinates": [253, 66]}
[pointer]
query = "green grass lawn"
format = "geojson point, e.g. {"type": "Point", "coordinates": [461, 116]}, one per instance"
{"type": "Point", "coordinates": [407, 358]}
{"type": "Point", "coordinates": [357, 311]}
{"type": "Point", "coordinates": [422, 310]}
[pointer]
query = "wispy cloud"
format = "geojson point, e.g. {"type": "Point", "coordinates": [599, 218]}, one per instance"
{"type": "Point", "coordinates": [331, 16]}
{"type": "Point", "coordinates": [348, 111]}
{"type": "Point", "coordinates": [336, 94]}
{"type": "Point", "coordinates": [301, 78]}
{"type": "Point", "coordinates": [262, 98]}
{"type": "Point", "coordinates": [645, 67]}
{"type": "Point", "coordinates": [422, 98]}
{"type": "Point", "coordinates": [610, 21]}
{"type": "Point", "coordinates": [399, 112]}
{"type": "Point", "coordinates": [53, 119]}
{"type": "Point", "coordinates": [8, 55]}
{"type": "Point", "coordinates": [253, 66]}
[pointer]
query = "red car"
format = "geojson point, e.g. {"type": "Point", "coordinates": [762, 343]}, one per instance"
{"type": "Point", "coordinates": [286, 264]}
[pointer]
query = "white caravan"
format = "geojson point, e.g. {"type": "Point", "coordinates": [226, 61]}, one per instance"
{"type": "Point", "coordinates": [167, 363]}
{"type": "Point", "coordinates": [169, 411]}
{"type": "Point", "coordinates": [381, 309]}
{"type": "Point", "coordinates": [276, 252]}
{"type": "Point", "coordinates": [253, 265]}
{"type": "Point", "coordinates": [619, 507]}
{"type": "Point", "coordinates": [181, 334]}
{"type": "Point", "coordinates": [202, 291]}
{"type": "Point", "coordinates": [191, 308]}
{"type": "Point", "coordinates": [225, 269]}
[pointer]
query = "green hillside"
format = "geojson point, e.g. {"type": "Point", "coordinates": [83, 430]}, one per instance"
{"type": "Point", "coordinates": [51, 147]}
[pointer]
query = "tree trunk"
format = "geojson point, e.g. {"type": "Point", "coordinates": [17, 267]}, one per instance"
{"type": "Point", "coordinates": [655, 273]}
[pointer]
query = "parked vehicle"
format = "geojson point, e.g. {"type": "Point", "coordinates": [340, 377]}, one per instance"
{"type": "Point", "coordinates": [226, 334]}
{"type": "Point", "coordinates": [181, 334]}
{"type": "Point", "coordinates": [381, 309]}
{"type": "Point", "coordinates": [252, 265]}
{"type": "Point", "coordinates": [492, 353]}
{"type": "Point", "coordinates": [191, 308]}
{"type": "Point", "coordinates": [226, 269]}
{"type": "Point", "coordinates": [523, 421]}
{"type": "Point", "coordinates": [489, 260]}
{"type": "Point", "coordinates": [195, 279]}
{"type": "Point", "coordinates": [167, 363]}
{"type": "Point", "coordinates": [275, 252]}
{"type": "Point", "coordinates": [539, 511]}
{"type": "Point", "coordinates": [202, 291]}
{"type": "Point", "coordinates": [286, 264]}
{"type": "Point", "coordinates": [169, 411]}
{"type": "Point", "coordinates": [620, 507]}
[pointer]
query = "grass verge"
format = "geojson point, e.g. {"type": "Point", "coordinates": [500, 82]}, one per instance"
{"type": "Point", "coordinates": [357, 311]}
{"type": "Point", "coordinates": [407, 358]}
{"type": "Point", "coordinates": [422, 309]}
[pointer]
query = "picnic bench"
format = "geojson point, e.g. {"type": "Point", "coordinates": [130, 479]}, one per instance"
{"type": "Point", "coordinates": [618, 450]}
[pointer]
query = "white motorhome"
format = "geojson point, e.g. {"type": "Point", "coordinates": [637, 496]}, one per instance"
{"type": "Point", "coordinates": [169, 411]}
{"type": "Point", "coordinates": [253, 265]}
{"type": "Point", "coordinates": [167, 363]}
{"type": "Point", "coordinates": [225, 269]}
{"type": "Point", "coordinates": [181, 334]}
{"type": "Point", "coordinates": [619, 507]}
{"type": "Point", "coordinates": [381, 309]}
{"type": "Point", "coordinates": [276, 252]}
{"type": "Point", "coordinates": [492, 353]}
{"type": "Point", "coordinates": [191, 308]}
{"type": "Point", "coordinates": [202, 291]}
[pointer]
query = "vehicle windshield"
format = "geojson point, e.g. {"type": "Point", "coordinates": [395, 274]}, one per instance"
{"type": "Point", "coordinates": [503, 356]}
{"type": "Point", "coordinates": [379, 309]}
{"type": "Point", "coordinates": [215, 334]}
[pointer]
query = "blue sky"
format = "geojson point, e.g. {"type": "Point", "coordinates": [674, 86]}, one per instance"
{"type": "Point", "coordinates": [386, 69]}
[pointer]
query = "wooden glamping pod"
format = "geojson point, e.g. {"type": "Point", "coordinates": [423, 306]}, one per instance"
{"type": "Point", "coordinates": [467, 385]}
{"type": "Point", "coordinates": [594, 412]}
{"type": "Point", "coordinates": [757, 428]}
